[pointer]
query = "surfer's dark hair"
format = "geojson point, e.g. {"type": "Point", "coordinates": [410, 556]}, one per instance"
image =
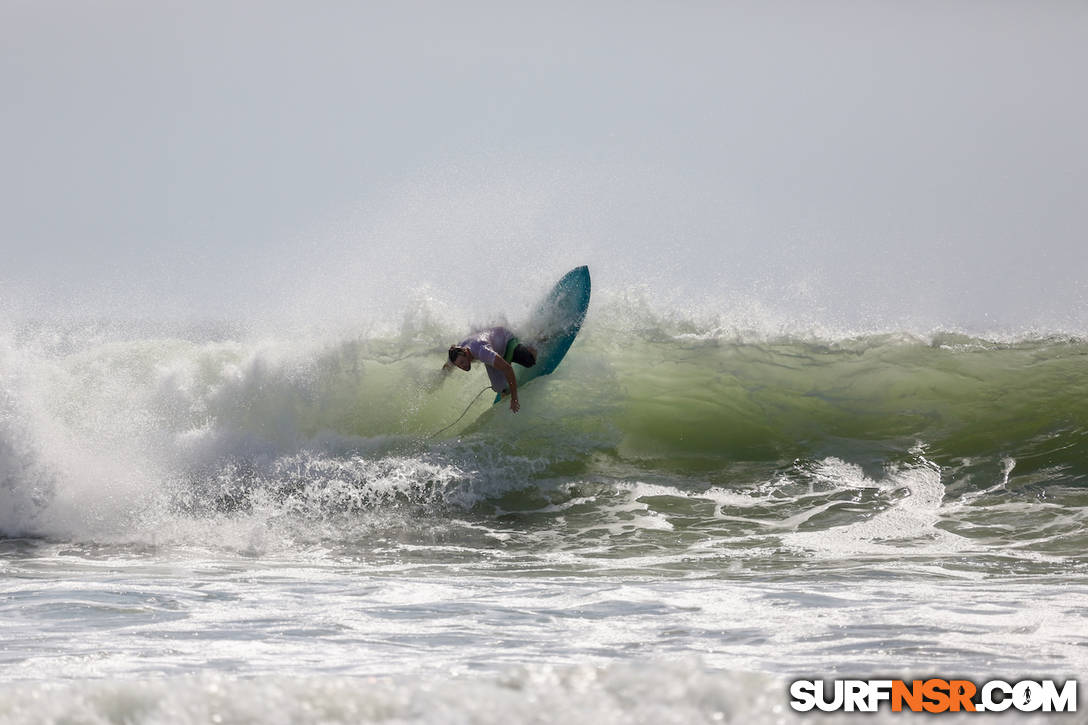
{"type": "Point", "coordinates": [455, 352]}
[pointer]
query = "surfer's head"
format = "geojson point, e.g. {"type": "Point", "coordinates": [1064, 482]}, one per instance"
{"type": "Point", "coordinates": [460, 357]}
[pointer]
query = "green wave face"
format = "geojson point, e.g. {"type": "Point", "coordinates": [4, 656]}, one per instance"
{"type": "Point", "coordinates": [961, 398]}
{"type": "Point", "coordinates": [642, 394]}
{"type": "Point", "coordinates": [676, 402]}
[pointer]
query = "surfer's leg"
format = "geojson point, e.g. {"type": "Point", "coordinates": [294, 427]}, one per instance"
{"type": "Point", "coordinates": [524, 356]}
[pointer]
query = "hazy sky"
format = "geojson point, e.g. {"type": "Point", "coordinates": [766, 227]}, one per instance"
{"type": "Point", "coordinates": [913, 160]}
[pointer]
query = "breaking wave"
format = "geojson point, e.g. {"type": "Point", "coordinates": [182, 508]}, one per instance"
{"type": "Point", "coordinates": [105, 431]}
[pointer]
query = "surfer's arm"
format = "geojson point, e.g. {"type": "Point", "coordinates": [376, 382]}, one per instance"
{"type": "Point", "coordinates": [507, 369]}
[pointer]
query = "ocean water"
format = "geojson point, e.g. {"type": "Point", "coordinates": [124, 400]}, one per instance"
{"type": "Point", "coordinates": [202, 523]}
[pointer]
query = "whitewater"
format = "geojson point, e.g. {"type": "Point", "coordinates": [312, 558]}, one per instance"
{"type": "Point", "coordinates": [199, 523]}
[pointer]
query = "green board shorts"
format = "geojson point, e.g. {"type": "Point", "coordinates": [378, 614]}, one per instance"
{"type": "Point", "coordinates": [508, 354]}
{"type": "Point", "coordinates": [517, 353]}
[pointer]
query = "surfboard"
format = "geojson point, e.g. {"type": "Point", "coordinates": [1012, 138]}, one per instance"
{"type": "Point", "coordinates": [554, 324]}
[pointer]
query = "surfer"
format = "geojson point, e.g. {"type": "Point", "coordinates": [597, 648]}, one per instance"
{"type": "Point", "coordinates": [497, 348]}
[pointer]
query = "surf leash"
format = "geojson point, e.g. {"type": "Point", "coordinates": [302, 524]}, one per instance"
{"type": "Point", "coordinates": [443, 430]}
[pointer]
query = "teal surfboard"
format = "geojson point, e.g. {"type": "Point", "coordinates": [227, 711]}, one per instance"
{"type": "Point", "coordinates": [554, 324]}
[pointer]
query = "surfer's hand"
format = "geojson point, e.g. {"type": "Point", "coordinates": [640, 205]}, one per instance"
{"type": "Point", "coordinates": [515, 406]}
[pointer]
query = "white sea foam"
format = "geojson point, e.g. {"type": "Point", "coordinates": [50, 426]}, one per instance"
{"type": "Point", "coordinates": [907, 526]}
